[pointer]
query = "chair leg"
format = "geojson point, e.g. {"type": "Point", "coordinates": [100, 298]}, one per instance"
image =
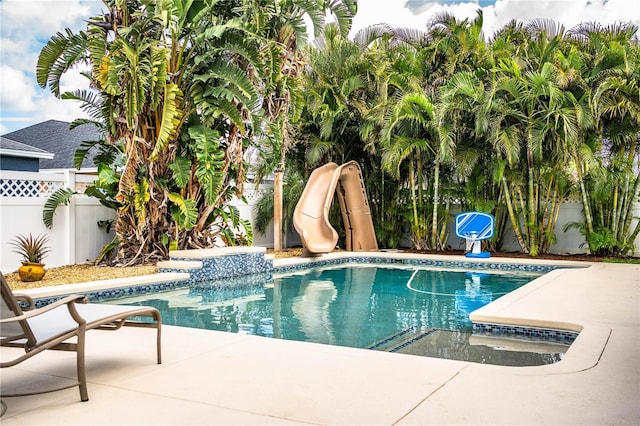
{"type": "Point", "coordinates": [159, 343]}
{"type": "Point", "coordinates": [82, 376]}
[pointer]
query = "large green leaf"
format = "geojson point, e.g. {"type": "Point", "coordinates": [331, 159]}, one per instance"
{"type": "Point", "coordinates": [101, 195]}
{"type": "Point", "coordinates": [228, 73]}
{"type": "Point", "coordinates": [106, 154]}
{"type": "Point", "coordinates": [107, 176]}
{"type": "Point", "coordinates": [158, 77]}
{"type": "Point", "coordinates": [90, 102]}
{"type": "Point", "coordinates": [186, 214]}
{"type": "Point", "coordinates": [181, 168]}
{"type": "Point", "coordinates": [210, 158]}
{"type": "Point", "coordinates": [237, 42]}
{"type": "Point", "coordinates": [171, 119]}
{"type": "Point", "coordinates": [140, 199]}
{"type": "Point", "coordinates": [61, 196]}
{"type": "Point", "coordinates": [58, 56]}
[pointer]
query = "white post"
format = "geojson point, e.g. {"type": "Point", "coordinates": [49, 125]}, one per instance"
{"type": "Point", "coordinates": [277, 210]}
{"type": "Point", "coordinates": [476, 243]}
{"type": "Point", "coordinates": [70, 223]}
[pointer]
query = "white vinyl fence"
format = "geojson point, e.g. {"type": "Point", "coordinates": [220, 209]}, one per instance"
{"type": "Point", "coordinates": [76, 237]}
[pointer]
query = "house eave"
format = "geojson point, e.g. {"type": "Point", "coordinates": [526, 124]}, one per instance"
{"type": "Point", "coordinates": [26, 154]}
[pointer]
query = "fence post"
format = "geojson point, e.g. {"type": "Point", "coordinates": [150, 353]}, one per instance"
{"type": "Point", "coordinates": [70, 182]}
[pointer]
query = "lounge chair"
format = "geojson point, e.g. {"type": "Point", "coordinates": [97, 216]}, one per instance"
{"type": "Point", "coordinates": [50, 327]}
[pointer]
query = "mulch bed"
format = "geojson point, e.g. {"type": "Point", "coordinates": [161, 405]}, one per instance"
{"type": "Point", "coordinates": [79, 274]}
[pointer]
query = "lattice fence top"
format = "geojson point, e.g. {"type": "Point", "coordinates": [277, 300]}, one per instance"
{"type": "Point", "coordinates": [28, 187]}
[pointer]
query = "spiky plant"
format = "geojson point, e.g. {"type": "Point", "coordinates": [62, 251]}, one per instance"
{"type": "Point", "coordinates": [32, 249]}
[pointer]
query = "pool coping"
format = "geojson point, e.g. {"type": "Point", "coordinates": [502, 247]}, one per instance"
{"type": "Point", "coordinates": [590, 341]}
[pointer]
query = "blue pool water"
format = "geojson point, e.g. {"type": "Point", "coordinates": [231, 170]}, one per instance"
{"type": "Point", "coordinates": [364, 306]}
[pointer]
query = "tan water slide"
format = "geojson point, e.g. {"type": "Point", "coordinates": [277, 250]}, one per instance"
{"type": "Point", "coordinates": [311, 216]}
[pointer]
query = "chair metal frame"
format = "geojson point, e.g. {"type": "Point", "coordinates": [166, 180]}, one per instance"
{"type": "Point", "coordinates": [18, 319]}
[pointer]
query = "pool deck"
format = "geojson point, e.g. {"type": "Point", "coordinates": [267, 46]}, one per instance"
{"type": "Point", "coordinates": [215, 378]}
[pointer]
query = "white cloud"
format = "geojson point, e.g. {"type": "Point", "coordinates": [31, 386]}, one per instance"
{"type": "Point", "coordinates": [11, 46]}
{"type": "Point", "coordinates": [567, 12]}
{"type": "Point", "coordinates": [26, 25]}
{"type": "Point", "coordinates": [24, 104]}
{"type": "Point", "coordinates": [51, 108]}
{"type": "Point", "coordinates": [373, 12]}
{"type": "Point", "coordinates": [17, 90]}
{"type": "Point", "coordinates": [394, 13]}
{"type": "Point", "coordinates": [43, 18]}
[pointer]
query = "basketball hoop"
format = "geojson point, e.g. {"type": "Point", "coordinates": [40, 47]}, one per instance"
{"type": "Point", "coordinates": [474, 227]}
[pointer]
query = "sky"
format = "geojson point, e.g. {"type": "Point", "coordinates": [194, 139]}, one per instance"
{"type": "Point", "coordinates": [27, 25]}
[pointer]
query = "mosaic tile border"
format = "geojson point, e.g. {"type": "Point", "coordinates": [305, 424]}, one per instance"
{"type": "Point", "coordinates": [225, 291]}
{"type": "Point", "coordinates": [485, 266]}
{"type": "Point", "coordinates": [566, 337]}
{"type": "Point", "coordinates": [246, 281]}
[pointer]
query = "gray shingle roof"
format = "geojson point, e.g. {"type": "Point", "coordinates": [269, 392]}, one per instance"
{"type": "Point", "coordinates": [54, 136]}
{"type": "Point", "coordinates": [8, 145]}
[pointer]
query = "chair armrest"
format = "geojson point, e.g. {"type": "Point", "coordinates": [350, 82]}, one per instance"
{"type": "Point", "coordinates": [69, 300]}
{"type": "Point", "coordinates": [24, 298]}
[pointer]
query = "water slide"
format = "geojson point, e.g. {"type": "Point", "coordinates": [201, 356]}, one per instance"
{"type": "Point", "coordinates": [311, 216]}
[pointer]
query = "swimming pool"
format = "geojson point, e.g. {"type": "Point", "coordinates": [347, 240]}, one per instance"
{"type": "Point", "coordinates": [407, 309]}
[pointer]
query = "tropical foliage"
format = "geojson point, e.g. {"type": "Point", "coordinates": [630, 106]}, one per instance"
{"type": "Point", "coordinates": [514, 123]}
{"type": "Point", "coordinates": [181, 87]}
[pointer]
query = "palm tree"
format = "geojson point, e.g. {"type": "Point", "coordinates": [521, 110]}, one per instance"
{"type": "Point", "coordinates": [408, 135]}
{"type": "Point", "coordinates": [454, 47]}
{"type": "Point", "coordinates": [608, 173]}
{"type": "Point", "coordinates": [531, 111]}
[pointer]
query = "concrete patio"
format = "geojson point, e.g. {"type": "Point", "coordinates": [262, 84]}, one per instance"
{"type": "Point", "coordinates": [218, 378]}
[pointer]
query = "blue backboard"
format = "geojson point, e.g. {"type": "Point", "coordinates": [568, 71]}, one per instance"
{"type": "Point", "coordinates": [476, 225]}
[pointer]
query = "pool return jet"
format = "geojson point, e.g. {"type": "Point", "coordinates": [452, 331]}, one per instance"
{"type": "Point", "coordinates": [475, 227]}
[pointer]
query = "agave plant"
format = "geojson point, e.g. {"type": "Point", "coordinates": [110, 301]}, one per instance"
{"type": "Point", "coordinates": [32, 249]}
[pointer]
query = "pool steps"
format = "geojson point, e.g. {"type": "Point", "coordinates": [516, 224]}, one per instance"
{"type": "Point", "coordinates": [182, 265]}
{"type": "Point", "coordinates": [218, 263]}
{"type": "Point", "coordinates": [397, 339]}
